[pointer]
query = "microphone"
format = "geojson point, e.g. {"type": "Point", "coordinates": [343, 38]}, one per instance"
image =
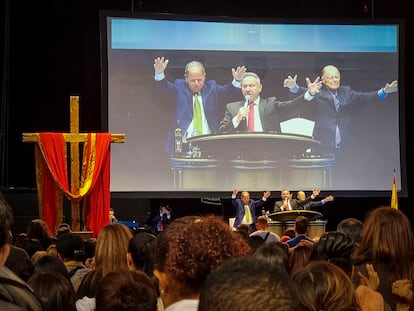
{"type": "Point", "coordinates": [247, 98]}
{"type": "Point", "coordinates": [246, 103]}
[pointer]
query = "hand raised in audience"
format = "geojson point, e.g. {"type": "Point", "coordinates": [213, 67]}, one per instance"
{"type": "Point", "coordinates": [372, 280]}
{"type": "Point", "coordinates": [403, 289]}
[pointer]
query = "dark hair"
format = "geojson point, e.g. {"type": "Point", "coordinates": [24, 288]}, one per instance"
{"type": "Point", "coordinates": [301, 225]}
{"type": "Point", "coordinates": [126, 290]}
{"type": "Point", "coordinates": [38, 229]}
{"type": "Point", "coordinates": [244, 284]}
{"type": "Point", "coordinates": [352, 227]}
{"type": "Point", "coordinates": [54, 290]}
{"type": "Point", "coordinates": [51, 264]}
{"type": "Point", "coordinates": [70, 247]}
{"type": "Point", "coordinates": [143, 249]}
{"type": "Point", "coordinates": [6, 221]}
{"type": "Point", "coordinates": [274, 255]}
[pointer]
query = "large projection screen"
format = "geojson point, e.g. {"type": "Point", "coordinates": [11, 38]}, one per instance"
{"type": "Point", "coordinates": [366, 53]}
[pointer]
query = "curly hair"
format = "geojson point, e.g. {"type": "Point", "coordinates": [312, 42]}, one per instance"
{"type": "Point", "coordinates": [192, 246]}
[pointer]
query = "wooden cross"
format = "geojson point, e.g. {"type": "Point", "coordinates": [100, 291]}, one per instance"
{"type": "Point", "coordinates": [74, 138]}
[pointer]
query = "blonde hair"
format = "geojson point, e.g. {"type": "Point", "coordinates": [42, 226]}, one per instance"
{"type": "Point", "coordinates": [112, 247]}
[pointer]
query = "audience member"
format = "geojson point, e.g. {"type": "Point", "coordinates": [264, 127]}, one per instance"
{"type": "Point", "coordinates": [142, 250]}
{"type": "Point", "coordinates": [14, 292]}
{"type": "Point", "coordinates": [126, 290]}
{"type": "Point", "coordinates": [263, 231]}
{"type": "Point", "coordinates": [55, 291]}
{"type": "Point", "coordinates": [188, 250]}
{"type": "Point", "coordinates": [110, 255]}
{"type": "Point", "coordinates": [70, 250]}
{"type": "Point", "coordinates": [246, 208]}
{"type": "Point", "coordinates": [301, 231]}
{"type": "Point", "coordinates": [255, 242]}
{"type": "Point", "coordinates": [323, 286]}
{"type": "Point", "coordinates": [299, 258]}
{"type": "Point", "coordinates": [246, 284]}
{"type": "Point", "coordinates": [287, 203]}
{"type": "Point", "coordinates": [51, 264]}
{"type": "Point", "coordinates": [387, 243]}
{"type": "Point", "coordinates": [351, 227]}
{"type": "Point", "coordinates": [274, 254]}
{"type": "Point", "coordinates": [62, 229]}
{"type": "Point", "coordinates": [38, 229]}
{"type": "Point", "coordinates": [335, 247]}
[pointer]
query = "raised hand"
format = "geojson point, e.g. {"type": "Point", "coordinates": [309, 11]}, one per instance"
{"type": "Point", "coordinates": [315, 86]}
{"type": "Point", "coordinates": [329, 198]}
{"type": "Point", "coordinates": [391, 87]}
{"type": "Point", "coordinates": [372, 281]}
{"type": "Point", "coordinates": [160, 64]}
{"type": "Point", "coordinates": [235, 191]}
{"type": "Point", "coordinates": [238, 73]}
{"type": "Point", "coordinates": [266, 194]}
{"type": "Point", "coordinates": [290, 82]}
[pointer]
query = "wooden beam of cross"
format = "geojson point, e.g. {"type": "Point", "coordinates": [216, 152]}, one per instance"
{"type": "Point", "coordinates": [74, 138]}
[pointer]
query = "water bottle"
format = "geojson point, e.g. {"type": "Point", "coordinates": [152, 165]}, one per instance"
{"type": "Point", "coordinates": [178, 138]}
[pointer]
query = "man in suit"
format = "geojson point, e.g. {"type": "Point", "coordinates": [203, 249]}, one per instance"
{"type": "Point", "coordinates": [246, 208]}
{"type": "Point", "coordinates": [301, 196]}
{"type": "Point", "coordinates": [160, 219]}
{"type": "Point", "coordinates": [287, 203]}
{"type": "Point", "coordinates": [192, 92]}
{"type": "Point", "coordinates": [334, 105]}
{"type": "Point", "coordinates": [256, 114]}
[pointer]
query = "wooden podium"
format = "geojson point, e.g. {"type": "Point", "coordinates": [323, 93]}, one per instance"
{"type": "Point", "coordinates": [281, 221]}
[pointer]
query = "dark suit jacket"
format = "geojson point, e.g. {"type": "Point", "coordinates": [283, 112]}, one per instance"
{"type": "Point", "coordinates": [271, 112]}
{"type": "Point", "coordinates": [327, 118]}
{"type": "Point", "coordinates": [294, 203]}
{"type": "Point", "coordinates": [213, 96]}
{"type": "Point", "coordinates": [238, 204]}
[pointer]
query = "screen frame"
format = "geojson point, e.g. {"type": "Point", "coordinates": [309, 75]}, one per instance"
{"type": "Point", "coordinates": [104, 15]}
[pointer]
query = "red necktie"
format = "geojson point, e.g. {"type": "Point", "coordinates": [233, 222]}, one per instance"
{"type": "Point", "coordinates": [250, 122]}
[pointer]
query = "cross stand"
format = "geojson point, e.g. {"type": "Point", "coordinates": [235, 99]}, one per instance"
{"type": "Point", "coordinates": [74, 138]}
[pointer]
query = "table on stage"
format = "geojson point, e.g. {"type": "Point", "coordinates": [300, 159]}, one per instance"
{"type": "Point", "coordinates": [281, 221]}
{"type": "Point", "coordinates": [256, 161]}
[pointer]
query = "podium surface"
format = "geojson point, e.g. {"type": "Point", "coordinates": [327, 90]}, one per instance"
{"type": "Point", "coordinates": [291, 215]}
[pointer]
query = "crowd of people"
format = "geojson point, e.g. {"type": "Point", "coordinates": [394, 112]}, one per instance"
{"type": "Point", "coordinates": [202, 263]}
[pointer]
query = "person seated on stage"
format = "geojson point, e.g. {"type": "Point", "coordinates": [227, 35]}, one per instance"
{"type": "Point", "coordinates": [246, 208]}
{"type": "Point", "coordinates": [301, 237]}
{"type": "Point", "coordinates": [287, 203]}
{"type": "Point", "coordinates": [112, 218]}
{"type": "Point", "coordinates": [161, 219]}
{"type": "Point", "coordinates": [262, 227]}
{"type": "Point", "coordinates": [301, 196]}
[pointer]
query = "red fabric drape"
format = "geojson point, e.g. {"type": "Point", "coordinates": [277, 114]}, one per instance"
{"type": "Point", "coordinates": [95, 177]}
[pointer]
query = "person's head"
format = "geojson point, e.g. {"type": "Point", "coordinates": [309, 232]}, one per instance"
{"type": "Point", "coordinates": [245, 197]}
{"type": "Point", "coordinates": [188, 250]}
{"type": "Point", "coordinates": [331, 77]}
{"type": "Point", "coordinates": [387, 239]}
{"type": "Point", "coordinates": [299, 258]}
{"type": "Point", "coordinates": [62, 229]}
{"type": "Point", "coordinates": [111, 214]}
{"type": "Point", "coordinates": [250, 85]}
{"type": "Point", "coordinates": [112, 247]}
{"type": "Point", "coordinates": [126, 290]}
{"type": "Point", "coordinates": [274, 255]}
{"type": "Point", "coordinates": [261, 223]}
{"type": "Point", "coordinates": [195, 76]}
{"type": "Point", "coordinates": [38, 229]}
{"type": "Point", "coordinates": [351, 227]}
{"type": "Point", "coordinates": [323, 286]}
{"type": "Point", "coordinates": [335, 247]}
{"type": "Point", "coordinates": [51, 264]}
{"type": "Point", "coordinates": [55, 291]}
{"type": "Point", "coordinates": [70, 247]}
{"type": "Point", "coordinates": [300, 195]}
{"type": "Point", "coordinates": [142, 251]}
{"type": "Point", "coordinates": [285, 194]}
{"type": "Point", "coordinates": [301, 225]}
{"type": "Point", "coordinates": [6, 222]}
{"type": "Point", "coordinates": [244, 284]}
